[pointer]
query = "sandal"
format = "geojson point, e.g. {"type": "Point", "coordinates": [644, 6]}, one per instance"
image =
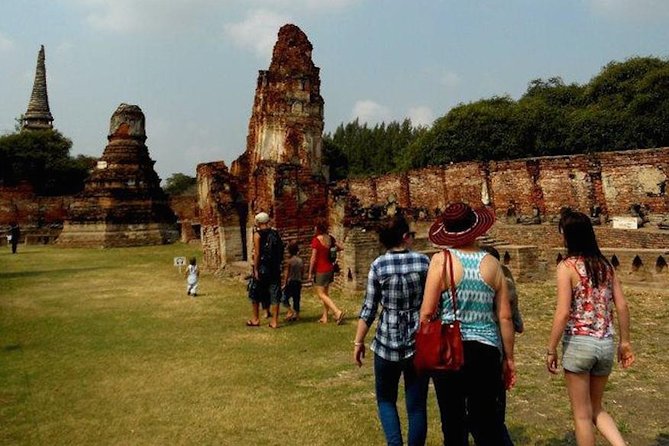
{"type": "Point", "coordinates": [250, 323]}
{"type": "Point", "coordinates": [340, 319]}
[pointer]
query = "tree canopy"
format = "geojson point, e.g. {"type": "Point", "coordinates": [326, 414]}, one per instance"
{"type": "Point", "coordinates": [180, 184]}
{"type": "Point", "coordinates": [42, 158]}
{"type": "Point", "coordinates": [625, 106]}
{"type": "Point", "coordinates": [357, 150]}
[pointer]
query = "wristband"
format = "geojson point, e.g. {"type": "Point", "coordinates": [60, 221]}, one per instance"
{"type": "Point", "coordinates": [358, 344]}
{"type": "Point", "coordinates": [550, 353]}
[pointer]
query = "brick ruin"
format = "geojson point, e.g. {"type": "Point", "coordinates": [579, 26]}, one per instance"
{"type": "Point", "coordinates": [122, 203]}
{"type": "Point", "coordinates": [281, 172]}
{"type": "Point", "coordinates": [527, 196]}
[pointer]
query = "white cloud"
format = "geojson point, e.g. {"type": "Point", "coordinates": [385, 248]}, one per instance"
{"type": "Point", "coordinates": [132, 16]}
{"type": "Point", "coordinates": [370, 112]}
{"type": "Point", "coordinates": [6, 44]}
{"type": "Point", "coordinates": [317, 6]}
{"type": "Point", "coordinates": [257, 32]}
{"type": "Point", "coordinates": [421, 116]}
{"type": "Point", "coordinates": [636, 10]}
{"type": "Point", "coordinates": [449, 79]}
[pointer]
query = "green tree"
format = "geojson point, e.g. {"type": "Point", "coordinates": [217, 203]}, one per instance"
{"type": "Point", "coordinates": [180, 184]}
{"type": "Point", "coordinates": [625, 106]}
{"type": "Point", "coordinates": [42, 158]}
{"type": "Point", "coordinates": [370, 150]}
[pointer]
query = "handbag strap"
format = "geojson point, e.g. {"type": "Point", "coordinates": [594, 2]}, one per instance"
{"type": "Point", "coordinates": [449, 259]}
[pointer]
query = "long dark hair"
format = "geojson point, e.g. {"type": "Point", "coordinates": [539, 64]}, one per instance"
{"type": "Point", "coordinates": [580, 241]}
{"type": "Point", "coordinates": [392, 233]}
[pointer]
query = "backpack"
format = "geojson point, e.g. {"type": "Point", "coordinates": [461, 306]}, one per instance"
{"type": "Point", "coordinates": [271, 254]}
{"type": "Point", "coordinates": [332, 251]}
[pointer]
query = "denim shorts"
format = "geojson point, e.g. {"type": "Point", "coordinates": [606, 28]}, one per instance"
{"type": "Point", "coordinates": [587, 354]}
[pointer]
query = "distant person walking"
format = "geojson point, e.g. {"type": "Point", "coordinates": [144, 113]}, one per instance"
{"type": "Point", "coordinates": [292, 283]}
{"type": "Point", "coordinates": [192, 277]}
{"type": "Point", "coordinates": [15, 233]}
{"type": "Point", "coordinates": [395, 282]}
{"type": "Point", "coordinates": [321, 269]}
{"type": "Point", "coordinates": [267, 259]}
{"type": "Point", "coordinates": [587, 291]}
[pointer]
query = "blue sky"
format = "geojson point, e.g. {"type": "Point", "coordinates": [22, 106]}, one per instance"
{"type": "Point", "coordinates": [191, 65]}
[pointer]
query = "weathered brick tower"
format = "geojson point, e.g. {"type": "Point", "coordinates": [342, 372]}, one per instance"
{"type": "Point", "coordinates": [281, 172]}
{"type": "Point", "coordinates": [38, 116]}
{"type": "Point", "coordinates": [122, 203]}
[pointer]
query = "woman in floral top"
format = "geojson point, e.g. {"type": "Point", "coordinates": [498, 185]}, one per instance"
{"type": "Point", "coordinates": [587, 292]}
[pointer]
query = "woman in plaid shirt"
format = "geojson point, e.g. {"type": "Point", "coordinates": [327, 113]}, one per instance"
{"type": "Point", "coordinates": [396, 280]}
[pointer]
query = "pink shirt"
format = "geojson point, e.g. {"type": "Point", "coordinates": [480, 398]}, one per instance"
{"type": "Point", "coordinates": [591, 308]}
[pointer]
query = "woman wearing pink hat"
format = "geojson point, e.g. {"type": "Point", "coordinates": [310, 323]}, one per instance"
{"type": "Point", "coordinates": [467, 397]}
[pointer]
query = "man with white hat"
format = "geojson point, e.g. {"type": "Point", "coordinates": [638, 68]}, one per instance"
{"type": "Point", "coordinates": [267, 259]}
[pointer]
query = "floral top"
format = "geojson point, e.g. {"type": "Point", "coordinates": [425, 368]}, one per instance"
{"type": "Point", "coordinates": [591, 308]}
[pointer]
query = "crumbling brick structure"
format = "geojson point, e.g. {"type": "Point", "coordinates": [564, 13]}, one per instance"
{"type": "Point", "coordinates": [534, 188]}
{"type": "Point", "coordinates": [281, 171]}
{"type": "Point", "coordinates": [122, 203]}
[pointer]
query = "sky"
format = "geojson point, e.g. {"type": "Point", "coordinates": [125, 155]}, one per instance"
{"type": "Point", "coordinates": [192, 65]}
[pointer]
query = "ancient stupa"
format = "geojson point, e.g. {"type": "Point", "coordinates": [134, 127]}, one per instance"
{"type": "Point", "coordinates": [38, 116]}
{"type": "Point", "coordinates": [122, 203]}
{"type": "Point", "coordinates": [281, 171]}
{"type": "Point", "coordinates": [286, 127]}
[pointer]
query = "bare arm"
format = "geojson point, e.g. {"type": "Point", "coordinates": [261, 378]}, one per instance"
{"type": "Point", "coordinates": [433, 287]}
{"type": "Point", "coordinates": [312, 263]}
{"type": "Point", "coordinates": [286, 269]}
{"type": "Point", "coordinates": [625, 353]}
{"type": "Point", "coordinates": [561, 317]}
{"type": "Point", "coordinates": [256, 254]}
{"type": "Point", "coordinates": [359, 342]}
{"type": "Point", "coordinates": [504, 316]}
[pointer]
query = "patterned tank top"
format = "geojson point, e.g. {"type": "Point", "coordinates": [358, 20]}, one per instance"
{"type": "Point", "coordinates": [591, 308]}
{"type": "Point", "coordinates": [475, 301]}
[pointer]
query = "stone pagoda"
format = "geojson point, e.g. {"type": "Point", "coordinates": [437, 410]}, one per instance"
{"type": "Point", "coordinates": [284, 143]}
{"type": "Point", "coordinates": [281, 172]}
{"type": "Point", "coordinates": [38, 116]}
{"type": "Point", "coordinates": [122, 203]}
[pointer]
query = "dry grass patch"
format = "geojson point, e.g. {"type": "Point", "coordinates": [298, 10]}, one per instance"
{"type": "Point", "coordinates": [104, 347]}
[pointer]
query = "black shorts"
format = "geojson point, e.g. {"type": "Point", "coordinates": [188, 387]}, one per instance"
{"type": "Point", "coordinates": [264, 291]}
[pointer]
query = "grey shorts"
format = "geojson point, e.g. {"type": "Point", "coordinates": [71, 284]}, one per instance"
{"type": "Point", "coordinates": [585, 354]}
{"type": "Point", "coordinates": [323, 279]}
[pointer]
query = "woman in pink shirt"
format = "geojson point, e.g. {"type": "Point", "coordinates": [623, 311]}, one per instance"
{"type": "Point", "coordinates": [587, 292]}
{"type": "Point", "coordinates": [321, 269]}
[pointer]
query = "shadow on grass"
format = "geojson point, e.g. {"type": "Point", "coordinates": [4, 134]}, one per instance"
{"type": "Point", "coordinates": [25, 274]}
{"type": "Point", "coordinates": [662, 439]}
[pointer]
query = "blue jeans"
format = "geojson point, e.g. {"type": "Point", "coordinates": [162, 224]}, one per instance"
{"type": "Point", "coordinates": [387, 377]}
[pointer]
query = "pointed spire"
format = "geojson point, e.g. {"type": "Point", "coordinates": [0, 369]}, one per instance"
{"type": "Point", "coordinates": [38, 116]}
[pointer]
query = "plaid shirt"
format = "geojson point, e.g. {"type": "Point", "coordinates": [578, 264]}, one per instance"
{"type": "Point", "coordinates": [396, 280]}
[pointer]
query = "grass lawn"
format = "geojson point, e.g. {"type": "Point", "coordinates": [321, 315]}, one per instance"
{"type": "Point", "coordinates": [104, 347]}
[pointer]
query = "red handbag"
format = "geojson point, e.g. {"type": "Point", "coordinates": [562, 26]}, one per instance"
{"type": "Point", "coordinates": [439, 346]}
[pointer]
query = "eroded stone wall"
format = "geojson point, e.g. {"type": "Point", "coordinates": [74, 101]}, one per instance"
{"type": "Point", "coordinates": [612, 181]}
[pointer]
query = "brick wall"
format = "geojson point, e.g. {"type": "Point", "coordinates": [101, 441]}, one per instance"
{"type": "Point", "coordinates": [612, 180]}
